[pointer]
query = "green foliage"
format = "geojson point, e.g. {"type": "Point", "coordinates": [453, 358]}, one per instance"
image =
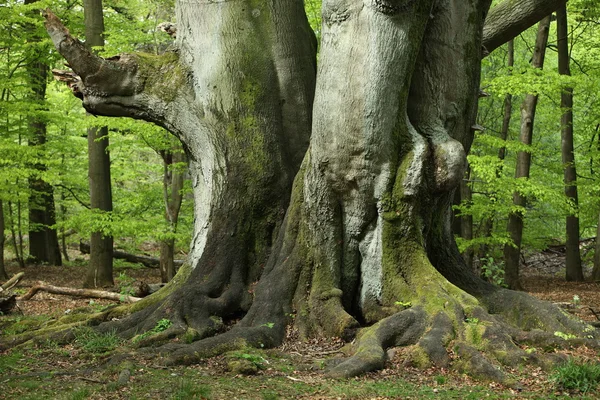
{"type": "Point", "coordinates": [492, 270]}
{"type": "Point", "coordinates": [565, 336]}
{"type": "Point", "coordinates": [91, 341]}
{"type": "Point", "coordinates": [492, 179]}
{"type": "Point", "coordinates": [582, 377]}
{"type": "Point", "coordinates": [125, 284]}
{"type": "Point", "coordinates": [160, 326]}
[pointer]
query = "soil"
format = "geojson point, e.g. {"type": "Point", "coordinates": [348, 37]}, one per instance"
{"type": "Point", "coordinates": [295, 363]}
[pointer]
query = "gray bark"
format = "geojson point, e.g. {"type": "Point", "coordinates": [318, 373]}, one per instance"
{"type": "Point", "coordinates": [574, 271]}
{"type": "Point", "coordinates": [368, 220]}
{"type": "Point", "coordinates": [512, 251]}
{"type": "Point", "coordinates": [509, 18]}
{"type": "Point", "coordinates": [100, 269]}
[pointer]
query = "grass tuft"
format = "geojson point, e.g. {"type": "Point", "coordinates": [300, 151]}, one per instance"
{"type": "Point", "coordinates": [94, 342]}
{"type": "Point", "coordinates": [583, 377]}
{"type": "Point", "coordinates": [187, 390]}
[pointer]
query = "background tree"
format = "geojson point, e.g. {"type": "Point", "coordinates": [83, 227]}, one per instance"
{"type": "Point", "coordinates": [512, 251]}
{"type": "Point", "coordinates": [574, 272]}
{"type": "Point", "coordinates": [100, 269]}
{"type": "Point", "coordinates": [43, 239]}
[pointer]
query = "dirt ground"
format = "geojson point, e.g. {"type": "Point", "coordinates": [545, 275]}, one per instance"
{"type": "Point", "coordinates": [292, 371]}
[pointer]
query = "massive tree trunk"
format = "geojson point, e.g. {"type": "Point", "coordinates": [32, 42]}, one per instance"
{"type": "Point", "coordinates": [574, 271]}
{"type": "Point", "coordinates": [366, 238]}
{"type": "Point", "coordinates": [43, 239]}
{"type": "Point", "coordinates": [100, 268]}
{"type": "Point", "coordinates": [512, 251]}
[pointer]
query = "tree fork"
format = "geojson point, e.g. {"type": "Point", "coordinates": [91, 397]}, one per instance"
{"type": "Point", "coordinates": [366, 234]}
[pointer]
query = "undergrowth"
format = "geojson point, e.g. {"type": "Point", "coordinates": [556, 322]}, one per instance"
{"type": "Point", "coordinates": [581, 377]}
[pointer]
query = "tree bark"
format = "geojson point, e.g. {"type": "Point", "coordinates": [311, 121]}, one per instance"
{"type": "Point", "coordinates": [574, 270]}
{"type": "Point", "coordinates": [509, 18]}
{"type": "Point", "coordinates": [43, 239]}
{"type": "Point", "coordinates": [512, 251]}
{"type": "Point", "coordinates": [366, 239]}
{"type": "Point", "coordinates": [100, 269]}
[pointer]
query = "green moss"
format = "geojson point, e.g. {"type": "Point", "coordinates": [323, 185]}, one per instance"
{"type": "Point", "coordinates": [418, 357]}
{"type": "Point", "coordinates": [162, 75]}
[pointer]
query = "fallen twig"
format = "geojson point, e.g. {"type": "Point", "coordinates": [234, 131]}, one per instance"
{"type": "Point", "coordinates": [12, 282]}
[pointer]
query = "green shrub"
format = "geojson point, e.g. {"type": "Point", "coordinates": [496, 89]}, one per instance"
{"type": "Point", "coordinates": [582, 377]}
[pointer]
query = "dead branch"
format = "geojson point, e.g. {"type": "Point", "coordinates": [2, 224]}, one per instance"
{"type": "Point", "coordinates": [12, 282]}
{"type": "Point", "coordinates": [97, 294]}
{"type": "Point", "coordinates": [150, 262]}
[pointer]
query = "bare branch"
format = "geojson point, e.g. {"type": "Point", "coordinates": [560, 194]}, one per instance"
{"type": "Point", "coordinates": [79, 57]}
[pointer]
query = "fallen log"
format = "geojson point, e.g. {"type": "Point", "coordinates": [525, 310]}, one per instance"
{"type": "Point", "coordinates": [9, 284]}
{"type": "Point", "coordinates": [146, 261]}
{"type": "Point", "coordinates": [96, 294]}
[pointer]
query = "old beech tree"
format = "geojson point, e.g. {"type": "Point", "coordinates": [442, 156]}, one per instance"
{"type": "Point", "coordinates": [322, 193]}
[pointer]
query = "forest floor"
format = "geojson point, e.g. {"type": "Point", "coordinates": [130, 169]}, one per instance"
{"type": "Point", "coordinates": [84, 369]}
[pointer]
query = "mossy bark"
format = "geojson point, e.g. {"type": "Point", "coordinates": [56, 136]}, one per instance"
{"type": "Point", "coordinates": [364, 250]}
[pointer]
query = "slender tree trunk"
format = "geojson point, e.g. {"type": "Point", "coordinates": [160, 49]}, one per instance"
{"type": "Point", "coordinates": [596, 270]}
{"type": "Point", "coordinates": [173, 179]}
{"type": "Point", "coordinates": [16, 235]}
{"type": "Point", "coordinates": [466, 225]}
{"type": "Point", "coordinates": [574, 271]}
{"type": "Point", "coordinates": [507, 113]}
{"type": "Point", "coordinates": [3, 274]}
{"type": "Point", "coordinates": [43, 239]}
{"type": "Point", "coordinates": [100, 269]}
{"type": "Point", "coordinates": [512, 251]}
{"type": "Point", "coordinates": [487, 225]}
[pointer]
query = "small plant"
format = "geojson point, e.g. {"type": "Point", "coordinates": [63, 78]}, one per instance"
{"type": "Point", "coordinates": [565, 336]}
{"type": "Point", "coordinates": [160, 326]}
{"type": "Point", "coordinates": [492, 271]}
{"type": "Point", "coordinates": [125, 283]}
{"type": "Point", "coordinates": [94, 342]}
{"type": "Point", "coordinates": [582, 377]}
{"type": "Point", "coordinates": [440, 379]}
{"type": "Point", "coordinates": [403, 304]}
{"type": "Point", "coordinates": [473, 321]}
{"type": "Point", "coordinates": [269, 325]}
{"type": "Point", "coordinates": [576, 300]}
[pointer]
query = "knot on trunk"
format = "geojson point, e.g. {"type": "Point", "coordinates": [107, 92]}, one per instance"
{"type": "Point", "coordinates": [449, 164]}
